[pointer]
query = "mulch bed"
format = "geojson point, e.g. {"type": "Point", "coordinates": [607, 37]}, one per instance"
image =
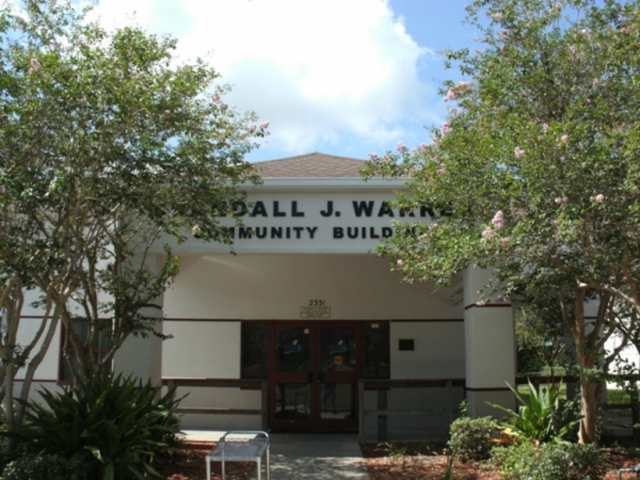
{"type": "Point", "coordinates": [422, 462]}
{"type": "Point", "coordinates": [187, 463]}
{"type": "Point", "coordinates": [414, 462]}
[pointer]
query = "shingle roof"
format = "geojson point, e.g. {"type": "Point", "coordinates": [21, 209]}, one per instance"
{"type": "Point", "coordinates": [311, 165]}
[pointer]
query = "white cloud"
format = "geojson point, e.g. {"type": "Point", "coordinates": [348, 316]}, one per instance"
{"type": "Point", "coordinates": [318, 70]}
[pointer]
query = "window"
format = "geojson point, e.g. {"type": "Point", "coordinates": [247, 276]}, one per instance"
{"type": "Point", "coordinates": [376, 350]}
{"type": "Point", "coordinates": [254, 344]}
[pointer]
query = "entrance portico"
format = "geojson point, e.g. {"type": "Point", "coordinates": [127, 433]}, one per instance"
{"type": "Point", "coordinates": [306, 305]}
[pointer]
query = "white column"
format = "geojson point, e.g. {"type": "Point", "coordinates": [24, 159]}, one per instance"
{"type": "Point", "coordinates": [490, 347]}
{"type": "Point", "coordinates": [142, 357]}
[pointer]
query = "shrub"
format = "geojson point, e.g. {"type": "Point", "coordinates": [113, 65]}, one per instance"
{"type": "Point", "coordinates": [473, 438]}
{"type": "Point", "coordinates": [527, 461]}
{"type": "Point", "coordinates": [110, 428]}
{"type": "Point", "coordinates": [541, 417]}
{"type": "Point", "coordinates": [39, 467]}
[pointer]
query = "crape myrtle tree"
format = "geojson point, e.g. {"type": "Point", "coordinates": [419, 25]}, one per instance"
{"type": "Point", "coordinates": [538, 161]}
{"type": "Point", "coordinates": [108, 146]}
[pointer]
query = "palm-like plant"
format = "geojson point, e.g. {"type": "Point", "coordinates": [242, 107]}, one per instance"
{"type": "Point", "coordinates": [541, 417]}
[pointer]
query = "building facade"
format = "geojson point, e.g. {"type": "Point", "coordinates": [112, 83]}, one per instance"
{"type": "Point", "coordinates": [304, 308]}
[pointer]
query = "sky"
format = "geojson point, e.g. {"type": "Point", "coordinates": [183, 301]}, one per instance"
{"type": "Point", "coordinates": [342, 77]}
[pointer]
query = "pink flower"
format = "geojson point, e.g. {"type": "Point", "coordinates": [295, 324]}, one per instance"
{"type": "Point", "coordinates": [519, 152]}
{"type": "Point", "coordinates": [400, 262]}
{"type": "Point", "coordinates": [454, 92]}
{"type": "Point", "coordinates": [505, 242]}
{"type": "Point", "coordinates": [481, 303]}
{"type": "Point", "coordinates": [446, 129]}
{"type": "Point", "coordinates": [600, 198]}
{"type": "Point", "coordinates": [252, 127]}
{"type": "Point", "coordinates": [373, 155]}
{"type": "Point", "coordinates": [35, 66]}
{"type": "Point", "coordinates": [487, 233]}
{"type": "Point", "coordinates": [402, 148]}
{"type": "Point", "coordinates": [561, 200]}
{"type": "Point", "coordinates": [497, 16]}
{"type": "Point", "coordinates": [451, 95]}
{"type": "Point", "coordinates": [441, 171]}
{"type": "Point", "coordinates": [545, 127]}
{"type": "Point", "coordinates": [498, 219]}
{"type": "Point", "coordinates": [265, 124]}
{"type": "Point", "coordinates": [499, 299]}
{"type": "Point", "coordinates": [596, 82]}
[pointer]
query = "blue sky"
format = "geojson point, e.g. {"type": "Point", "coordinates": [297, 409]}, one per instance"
{"type": "Point", "coordinates": [344, 77]}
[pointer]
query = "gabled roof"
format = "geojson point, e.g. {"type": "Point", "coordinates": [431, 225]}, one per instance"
{"type": "Point", "coordinates": [311, 165]}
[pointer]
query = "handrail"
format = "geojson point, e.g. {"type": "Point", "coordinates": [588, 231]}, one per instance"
{"type": "Point", "coordinates": [246, 384]}
{"type": "Point", "coordinates": [382, 412]}
{"type": "Point", "coordinates": [213, 382]}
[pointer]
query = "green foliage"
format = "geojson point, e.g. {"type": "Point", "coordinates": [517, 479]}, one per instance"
{"type": "Point", "coordinates": [112, 152]}
{"type": "Point", "coordinates": [473, 438]}
{"type": "Point", "coordinates": [535, 173]}
{"type": "Point", "coordinates": [541, 416]}
{"type": "Point", "coordinates": [540, 334]}
{"type": "Point", "coordinates": [109, 429]}
{"type": "Point", "coordinates": [526, 461]}
{"type": "Point", "coordinates": [395, 449]}
{"type": "Point", "coordinates": [39, 467]}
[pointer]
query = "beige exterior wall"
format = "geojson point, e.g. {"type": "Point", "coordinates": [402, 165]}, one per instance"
{"type": "Point", "coordinates": [275, 287]}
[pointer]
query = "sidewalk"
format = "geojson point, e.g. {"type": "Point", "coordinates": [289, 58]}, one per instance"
{"type": "Point", "coordinates": [308, 456]}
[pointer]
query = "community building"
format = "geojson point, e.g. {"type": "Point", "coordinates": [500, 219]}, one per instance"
{"type": "Point", "coordinates": [304, 327]}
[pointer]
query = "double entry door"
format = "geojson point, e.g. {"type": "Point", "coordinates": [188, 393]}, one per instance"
{"type": "Point", "coordinates": [314, 372]}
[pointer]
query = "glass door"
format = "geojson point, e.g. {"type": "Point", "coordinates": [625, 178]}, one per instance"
{"type": "Point", "coordinates": [291, 385]}
{"type": "Point", "coordinates": [314, 375]}
{"type": "Point", "coordinates": [338, 374]}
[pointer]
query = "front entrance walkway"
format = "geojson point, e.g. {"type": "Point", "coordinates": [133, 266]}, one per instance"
{"type": "Point", "coordinates": [308, 456]}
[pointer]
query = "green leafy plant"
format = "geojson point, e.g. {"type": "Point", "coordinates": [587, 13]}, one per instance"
{"type": "Point", "coordinates": [395, 449]}
{"type": "Point", "coordinates": [109, 428]}
{"type": "Point", "coordinates": [527, 461]}
{"type": "Point", "coordinates": [39, 467]}
{"type": "Point", "coordinates": [473, 438]}
{"type": "Point", "coordinates": [541, 416]}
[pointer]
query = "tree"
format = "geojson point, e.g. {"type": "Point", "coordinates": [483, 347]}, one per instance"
{"type": "Point", "coordinates": [107, 146]}
{"type": "Point", "coordinates": [538, 162]}
{"type": "Point", "coordinates": [539, 334]}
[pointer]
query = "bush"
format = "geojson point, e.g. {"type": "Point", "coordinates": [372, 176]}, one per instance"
{"type": "Point", "coordinates": [527, 461]}
{"type": "Point", "coordinates": [473, 438]}
{"type": "Point", "coordinates": [110, 429]}
{"type": "Point", "coordinates": [39, 467]}
{"type": "Point", "coordinates": [541, 417]}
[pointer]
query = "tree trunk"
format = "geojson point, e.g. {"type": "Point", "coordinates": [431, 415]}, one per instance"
{"type": "Point", "coordinates": [589, 409]}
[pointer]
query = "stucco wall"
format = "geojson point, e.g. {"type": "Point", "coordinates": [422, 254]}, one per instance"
{"type": "Point", "coordinates": [274, 287]}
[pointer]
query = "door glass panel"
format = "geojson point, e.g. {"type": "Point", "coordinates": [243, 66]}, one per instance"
{"type": "Point", "coordinates": [293, 401]}
{"type": "Point", "coordinates": [292, 350]}
{"type": "Point", "coordinates": [338, 401]}
{"type": "Point", "coordinates": [338, 350]}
